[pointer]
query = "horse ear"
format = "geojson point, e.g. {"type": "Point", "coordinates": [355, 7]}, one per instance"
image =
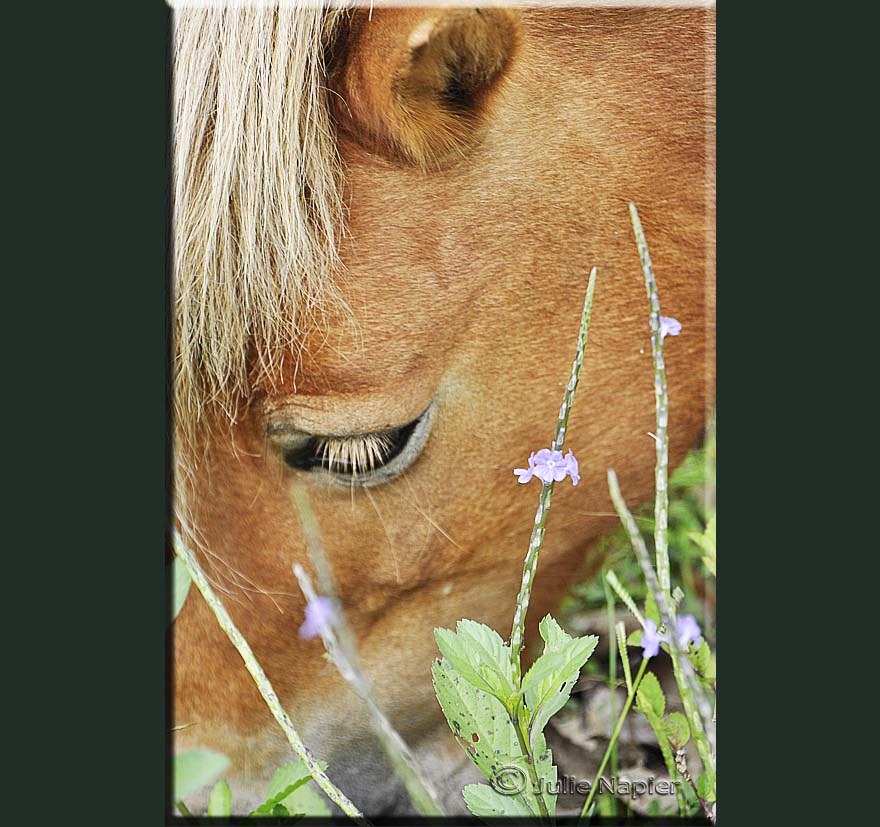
{"type": "Point", "coordinates": [415, 84]}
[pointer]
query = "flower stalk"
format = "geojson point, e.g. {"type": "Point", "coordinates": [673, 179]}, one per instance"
{"type": "Point", "coordinates": [695, 703]}
{"type": "Point", "coordinates": [530, 564]}
{"type": "Point", "coordinates": [684, 673]}
{"type": "Point", "coordinates": [612, 744]}
{"type": "Point", "coordinates": [340, 644]}
{"type": "Point", "coordinates": [265, 688]}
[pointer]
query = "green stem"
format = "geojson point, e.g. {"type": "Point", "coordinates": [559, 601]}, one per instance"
{"type": "Point", "coordinates": [265, 688]}
{"type": "Point", "coordinates": [400, 757]}
{"type": "Point", "coordinates": [692, 698]}
{"type": "Point", "coordinates": [530, 763]}
{"type": "Point", "coordinates": [661, 399]}
{"type": "Point", "coordinates": [530, 564]}
{"type": "Point", "coordinates": [612, 670]}
{"type": "Point", "coordinates": [682, 669]}
{"type": "Point", "coordinates": [614, 736]}
{"type": "Point", "coordinates": [184, 810]}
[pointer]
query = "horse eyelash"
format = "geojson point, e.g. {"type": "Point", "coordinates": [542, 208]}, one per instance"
{"type": "Point", "coordinates": [354, 455]}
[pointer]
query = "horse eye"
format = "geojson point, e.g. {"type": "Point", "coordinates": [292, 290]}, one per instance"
{"type": "Point", "coordinates": [367, 459]}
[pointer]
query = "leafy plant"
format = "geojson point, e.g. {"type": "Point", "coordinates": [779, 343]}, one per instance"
{"type": "Point", "coordinates": [662, 626]}
{"type": "Point", "coordinates": [289, 792]}
{"type": "Point", "coordinates": [496, 713]}
{"type": "Point", "coordinates": [499, 718]}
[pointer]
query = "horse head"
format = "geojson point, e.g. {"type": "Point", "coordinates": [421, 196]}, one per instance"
{"type": "Point", "coordinates": [384, 222]}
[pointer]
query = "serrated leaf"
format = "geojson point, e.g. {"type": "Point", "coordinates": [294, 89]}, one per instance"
{"type": "Point", "coordinates": [650, 696]}
{"type": "Point", "coordinates": [196, 769]}
{"type": "Point", "coordinates": [547, 685]}
{"type": "Point", "coordinates": [482, 727]}
{"type": "Point", "coordinates": [704, 787]}
{"type": "Point", "coordinates": [180, 583]}
{"type": "Point", "coordinates": [477, 719]}
{"type": "Point", "coordinates": [288, 775]}
{"type": "Point", "coordinates": [220, 801]}
{"type": "Point", "coordinates": [480, 656]}
{"type": "Point", "coordinates": [454, 653]}
{"type": "Point", "coordinates": [676, 730]}
{"type": "Point", "coordinates": [307, 801]}
{"type": "Point", "coordinates": [546, 772]}
{"type": "Point", "coordinates": [280, 810]}
{"type": "Point", "coordinates": [288, 788]}
{"type": "Point", "coordinates": [706, 541]}
{"type": "Point", "coordinates": [482, 800]}
{"type": "Point", "coordinates": [551, 632]}
{"type": "Point", "coordinates": [703, 662]}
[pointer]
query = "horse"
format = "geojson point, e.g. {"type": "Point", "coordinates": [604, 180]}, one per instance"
{"type": "Point", "coordinates": [384, 219]}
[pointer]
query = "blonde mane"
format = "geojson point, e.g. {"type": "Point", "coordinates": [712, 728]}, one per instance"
{"type": "Point", "coordinates": [256, 195]}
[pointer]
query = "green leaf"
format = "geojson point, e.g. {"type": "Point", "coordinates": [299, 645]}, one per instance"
{"type": "Point", "coordinates": [477, 719]}
{"type": "Point", "coordinates": [480, 656]}
{"type": "Point", "coordinates": [552, 633]}
{"type": "Point", "coordinates": [547, 685]}
{"type": "Point", "coordinates": [704, 787]}
{"type": "Point", "coordinates": [607, 805]}
{"type": "Point", "coordinates": [482, 800]}
{"type": "Point", "coordinates": [650, 696]}
{"type": "Point", "coordinates": [658, 725]}
{"type": "Point", "coordinates": [293, 774]}
{"type": "Point", "coordinates": [703, 662]}
{"type": "Point", "coordinates": [288, 789]}
{"type": "Point", "coordinates": [307, 801]}
{"type": "Point", "coordinates": [196, 769]}
{"type": "Point", "coordinates": [676, 730]}
{"type": "Point", "coordinates": [483, 729]}
{"type": "Point", "coordinates": [220, 802]}
{"type": "Point", "coordinates": [180, 586]}
{"type": "Point", "coordinates": [706, 541]}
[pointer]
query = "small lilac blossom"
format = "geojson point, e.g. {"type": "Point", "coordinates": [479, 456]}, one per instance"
{"type": "Point", "coordinates": [651, 639]}
{"type": "Point", "coordinates": [687, 630]}
{"type": "Point", "coordinates": [319, 614]}
{"type": "Point", "coordinates": [549, 466]}
{"type": "Point", "coordinates": [669, 326]}
{"type": "Point", "coordinates": [525, 474]}
{"type": "Point", "coordinates": [571, 465]}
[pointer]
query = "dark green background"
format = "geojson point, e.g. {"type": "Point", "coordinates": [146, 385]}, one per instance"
{"type": "Point", "coordinates": [85, 378]}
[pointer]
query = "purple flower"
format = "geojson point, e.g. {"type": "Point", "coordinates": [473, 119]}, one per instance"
{"type": "Point", "coordinates": [651, 639]}
{"type": "Point", "coordinates": [319, 614]}
{"type": "Point", "coordinates": [687, 630]}
{"type": "Point", "coordinates": [571, 465]}
{"type": "Point", "coordinates": [549, 466]}
{"type": "Point", "coordinates": [669, 326]}
{"type": "Point", "coordinates": [525, 474]}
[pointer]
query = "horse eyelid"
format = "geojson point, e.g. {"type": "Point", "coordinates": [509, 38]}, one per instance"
{"type": "Point", "coordinates": [367, 459]}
